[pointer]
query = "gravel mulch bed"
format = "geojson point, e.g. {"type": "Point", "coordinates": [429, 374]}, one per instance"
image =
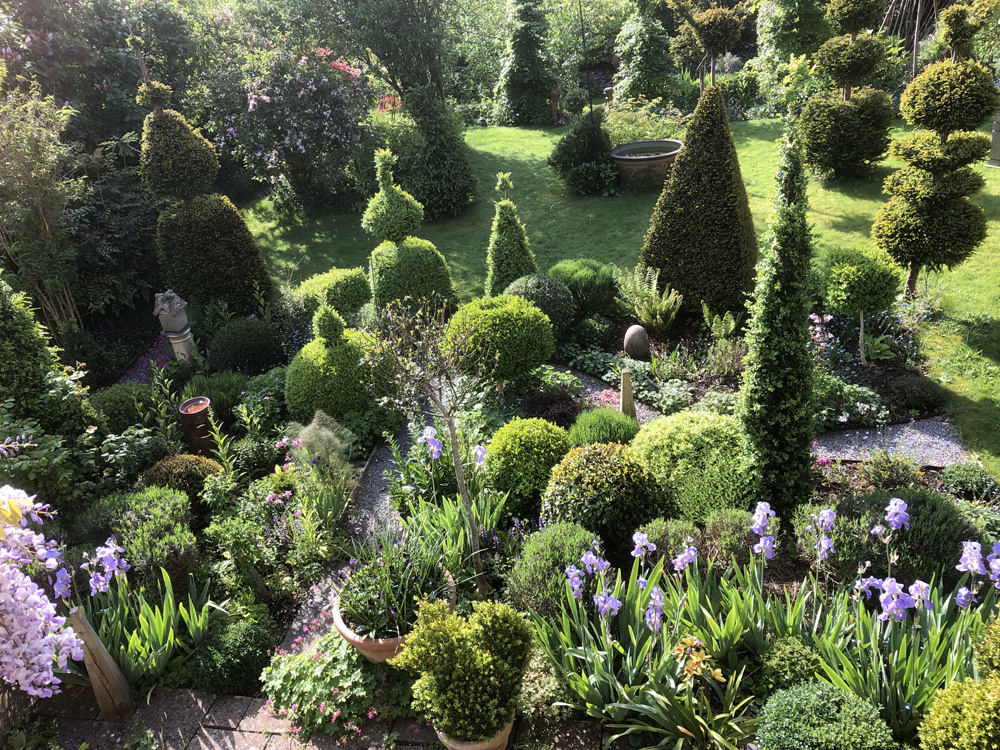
{"type": "Point", "coordinates": [931, 442]}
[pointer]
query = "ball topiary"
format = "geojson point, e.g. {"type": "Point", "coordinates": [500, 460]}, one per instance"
{"type": "Point", "coordinates": [928, 549]}
{"type": "Point", "coordinates": [964, 716]}
{"type": "Point", "coordinates": [607, 489]}
{"type": "Point", "coordinates": [509, 255]}
{"type": "Point", "coordinates": [25, 356]}
{"type": "Point", "coordinates": [788, 662]}
{"type": "Point", "coordinates": [821, 716]}
{"type": "Point", "coordinates": [250, 346]}
{"type": "Point", "coordinates": [520, 458]}
{"type": "Point", "coordinates": [412, 269]}
{"type": "Point", "coordinates": [208, 253]}
{"type": "Point", "coordinates": [603, 426]}
{"type": "Point", "coordinates": [987, 649]}
{"type": "Point", "coordinates": [182, 472]}
{"type": "Point", "coordinates": [154, 527]}
{"type": "Point", "coordinates": [328, 325]}
{"type": "Point", "coordinates": [949, 96]}
{"type": "Point", "coordinates": [505, 337]}
{"type": "Point", "coordinates": [331, 379]}
{"type": "Point", "coordinates": [123, 405]}
{"type": "Point", "coordinates": [549, 295]}
{"type": "Point", "coordinates": [701, 235]}
{"type": "Point", "coordinates": [846, 137]}
{"type": "Point", "coordinates": [696, 458]}
{"type": "Point", "coordinates": [346, 290]}
{"type": "Point", "coordinates": [591, 282]}
{"type": "Point", "coordinates": [537, 582]}
{"type": "Point", "coordinates": [176, 160]}
{"type": "Point", "coordinates": [231, 660]}
{"type": "Point", "coordinates": [393, 214]}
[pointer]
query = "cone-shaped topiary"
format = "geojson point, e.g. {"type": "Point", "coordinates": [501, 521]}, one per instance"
{"type": "Point", "coordinates": [208, 253]}
{"type": "Point", "coordinates": [509, 256]}
{"type": "Point", "coordinates": [411, 270]}
{"type": "Point", "coordinates": [701, 235]}
{"type": "Point", "coordinates": [930, 221]}
{"type": "Point", "coordinates": [393, 214]}
{"type": "Point", "coordinates": [25, 355]}
{"type": "Point", "coordinates": [776, 401]}
{"type": "Point", "coordinates": [176, 160]}
{"type": "Point", "coordinates": [525, 82]}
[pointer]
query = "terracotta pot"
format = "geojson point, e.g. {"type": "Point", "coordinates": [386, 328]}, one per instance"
{"type": "Point", "coordinates": [645, 163]}
{"type": "Point", "coordinates": [494, 743]}
{"type": "Point", "coordinates": [378, 650]}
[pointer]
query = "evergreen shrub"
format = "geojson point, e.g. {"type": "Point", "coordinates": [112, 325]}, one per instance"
{"type": "Point", "coordinates": [182, 472]}
{"type": "Point", "coordinates": [508, 336]}
{"type": "Point", "coordinates": [250, 346]}
{"type": "Point", "coordinates": [821, 716]}
{"type": "Point", "coordinates": [591, 282]}
{"type": "Point", "coordinates": [537, 582]}
{"type": "Point", "coordinates": [346, 290]}
{"type": "Point", "coordinates": [603, 426]}
{"type": "Point", "coordinates": [549, 295]}
{"type": "Point", "coordinates": [123, 405]}
{"type": "Point", "coordinates": [208, 253]}
{"type": "Point", "coordinates": [230, 662]}
{"type": "Point", "coordinates": [964, 716]}
{"type": "Point", "coordinates": [701, 235]}
{"type": "Point", "coordinates": [607, 489]}
{"type": "Point", "coordinates": [520, 458]}
{"type": "Point", "coordinates": [696, 458]}
{"type": "Point", "coordinates": [411, 268]}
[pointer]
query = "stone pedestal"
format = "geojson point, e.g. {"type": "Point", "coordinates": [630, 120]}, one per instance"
{"type": "Point", "coordinates": [995, 151]}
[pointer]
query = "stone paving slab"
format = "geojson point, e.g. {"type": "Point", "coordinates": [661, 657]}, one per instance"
{"type": "Point", "coordinates": [221, 739]}
{"type": "Point", "coordinates": [227, 712]}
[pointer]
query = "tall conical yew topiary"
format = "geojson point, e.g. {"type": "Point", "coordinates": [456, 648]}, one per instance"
{"type": "Point", "coordinates": [776, 403]}
{"type": "Point", "coordinates": [509, 256]}
{"type": "Point", "coordinates": [930, 220]}
{"type": "Point", "coordinates": [205, 248]}
{"type": "Point", "coordinates": [701, 235]}
{"type": "Point", "coordinates": [525, 82]}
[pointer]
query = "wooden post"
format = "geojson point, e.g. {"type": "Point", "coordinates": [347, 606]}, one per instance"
{"type": "Point", "coordinates": [114, 697]}
{"type": "Point", "coordinates": [628, 402]}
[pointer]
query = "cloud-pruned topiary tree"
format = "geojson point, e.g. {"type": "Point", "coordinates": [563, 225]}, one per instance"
{"type": "Point", "coordinates": [525, 81]}
{"type": "Point", "coordinates": [509, 255]}
{"type": "Point", "coordinates": [846, 134]}
{"type": "Point", "coordinates": [930, 220]}
{"type": "Point", "coordinates": [206, 250]}
{"type": "Point", "coordinates": [776, 402]}
{"type": "Point", "coordinates": [701, 235]}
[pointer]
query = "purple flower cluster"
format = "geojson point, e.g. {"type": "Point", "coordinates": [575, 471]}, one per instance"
{"type": "Point", "coordinates": [34, 637]}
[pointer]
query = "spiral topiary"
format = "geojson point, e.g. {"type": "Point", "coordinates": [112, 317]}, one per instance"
{"type": "Point", "coordinates": [501, 337]}
{"type": "Point", "coordinates": [549, 295]}
{"type": "Point", "coordinates": [607, 489]}
{"type": "Point", "coordinates": [393, 214]}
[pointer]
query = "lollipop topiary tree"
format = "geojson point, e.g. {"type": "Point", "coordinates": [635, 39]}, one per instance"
{"type": "Point", "coordinates": [509, 256]}
{"type": "Point", "coordinates": [930, 220]}
{"type": "Point", "coordinates": [846, 132]}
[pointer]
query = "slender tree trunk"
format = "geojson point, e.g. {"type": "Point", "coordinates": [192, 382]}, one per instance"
{"type": "Point", "coordinates": [911, 279]}
{"type": "Point", "coordinates": [861, 340]}
{"type": "Point", "coordinates": [463, 489]}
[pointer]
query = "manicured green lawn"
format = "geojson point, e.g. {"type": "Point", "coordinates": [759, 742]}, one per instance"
{"type": "Point", "coordinates": [964, 345]}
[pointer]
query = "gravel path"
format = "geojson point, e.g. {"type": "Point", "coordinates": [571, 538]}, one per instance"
{"type": "Point", "coordinates": [932, 442]}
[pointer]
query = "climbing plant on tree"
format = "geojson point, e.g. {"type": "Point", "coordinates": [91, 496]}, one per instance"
{"type": "Point", "coordinates": [701, 235]}
{"type": "Point", "coordinates": [776, 404]}
{"type": "Point", "coordinates": [930, 220]}
{"type": "Point", "coordinates": [844, 131]}
{"type": "Point", "coordinates": [525, 82]}
{"type": "Point", "coordinates": [509, 256]}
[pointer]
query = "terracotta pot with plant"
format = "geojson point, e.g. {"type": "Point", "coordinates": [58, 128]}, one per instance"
{"type": "Point", "coordinates": [376, 606]}
{"type": "Point", "coordinates": [469, 671]}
